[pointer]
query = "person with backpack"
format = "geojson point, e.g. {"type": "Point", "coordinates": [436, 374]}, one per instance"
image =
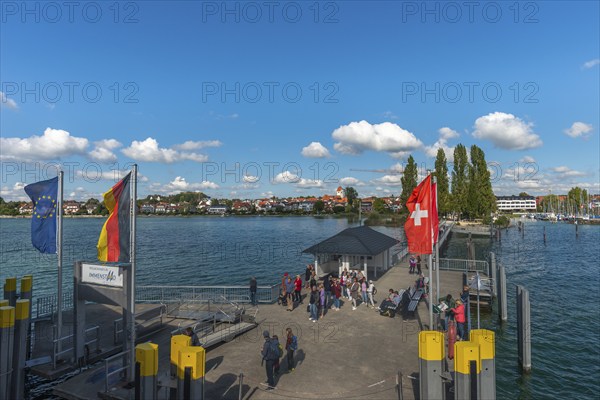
{"type": "Point", "coordinates": [270, 353]}
{"type": "Point", "coordinates": [291, 345]}
{"type": "Point", "coordinates": [337, 293]}
{"type": "Point", "coordinates": [276, 365]}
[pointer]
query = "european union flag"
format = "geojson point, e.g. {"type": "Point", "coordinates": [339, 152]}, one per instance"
{"type": "Point", "coordinates": [43, 224]}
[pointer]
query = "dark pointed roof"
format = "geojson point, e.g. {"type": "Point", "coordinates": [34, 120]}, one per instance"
{"type": "Point", "coordinates": [360, 240]}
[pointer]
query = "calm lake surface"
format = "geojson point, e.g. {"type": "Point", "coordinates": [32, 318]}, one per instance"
{"type": "Point", "coordinates": [563, 278]}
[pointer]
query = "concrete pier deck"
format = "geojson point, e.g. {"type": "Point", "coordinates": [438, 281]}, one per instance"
{"type": "Point", "coordinates": [347, 354]}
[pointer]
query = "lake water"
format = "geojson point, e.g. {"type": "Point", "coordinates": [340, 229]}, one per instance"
{"type": "Point", "coordinates": [562, 276]}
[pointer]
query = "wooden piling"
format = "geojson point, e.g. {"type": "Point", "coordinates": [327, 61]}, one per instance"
{"type": "Point", "coordinates": [524, 328]}
{"type": "Point", "coordinates": [502, 304]}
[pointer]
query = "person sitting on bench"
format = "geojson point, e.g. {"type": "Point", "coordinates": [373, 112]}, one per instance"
{"type": "Point", "coordinates": [391, 302]}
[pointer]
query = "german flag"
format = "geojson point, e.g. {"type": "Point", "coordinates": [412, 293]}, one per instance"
{"type": "Point", "coordinates": [114, 242]}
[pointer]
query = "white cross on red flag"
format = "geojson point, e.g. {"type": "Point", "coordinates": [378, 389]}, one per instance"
{"type": "Point", "coordinates": [421, 225]}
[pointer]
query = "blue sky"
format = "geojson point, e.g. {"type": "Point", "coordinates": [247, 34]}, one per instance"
{"type": "Point", "coordinates": [239, 100]}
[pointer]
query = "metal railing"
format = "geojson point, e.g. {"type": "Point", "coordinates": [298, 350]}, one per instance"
{"type": "Point", "coordinates": [204, 294]}
{"type": "Point", "coordinates": [124, 359]}
{"type": "Point", "coordinates": [55, 343]}
{"type": "Point", "coordinates": [46, 305]}
{"type": "Point", "coordinates": [453, 264]}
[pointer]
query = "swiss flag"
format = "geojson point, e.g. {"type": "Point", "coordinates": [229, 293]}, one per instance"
{"type": "Point", "coordinates": [421, 226]}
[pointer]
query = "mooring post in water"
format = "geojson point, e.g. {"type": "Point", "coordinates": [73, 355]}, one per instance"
{"type": "Point", "coordinates": [467, 368]}
{"type": "Point", "coordinates": [190, 373]}
{"type": "Point", "coordinates": [20, 349]}
{"type": "Point", "coordinates": [493, 271]}
{"type": "Point", "coordinates": [502, 305]}
{"type": "Point", "coordinates": [576, 229]}
{"type": "Point", "coordinates": [146, 358]}
{"type": "Point", "coordinates": [544, 235]}
{"type": "Point", "coordinates": [27, 294]}
{"type": "Point", "coordinates": [7, 330]}
{"type": "Point", "coordinates": [431, 358]}
{"type": "Point", "coordinates": [10, 291]}
{"type": "Point", "coordinates": [524, 328]}
{"type": "Point", "coordinates": [487, 378]}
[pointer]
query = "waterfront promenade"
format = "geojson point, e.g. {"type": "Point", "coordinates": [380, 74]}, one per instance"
{"type": "Point", "coordinates": [347, 354]}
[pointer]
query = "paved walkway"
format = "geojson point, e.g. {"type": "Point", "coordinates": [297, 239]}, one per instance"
{"type": "Point", "coordinates": [346, 355]}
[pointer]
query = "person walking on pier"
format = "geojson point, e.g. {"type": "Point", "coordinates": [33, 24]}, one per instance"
{"type": "Point", "coordinates": [419, 272]}
{"type": "Point", "coordinates": [269, 354]}
{"type": "Point", "coordinates": [290, 289]}
{"type": "Point", "coordinates": [412, 262]}
{"type": "Point", "coordinates": [371, 292]}
{"type": "Point", "coordinates": [459, 317]}
{"type": "Point", "coordinates": [313, 301]}
{"type": "Point", "coordinates": [354, 292]}
{"type": "Point", "coordinates": [291, 345]}
{"type": "Point", "coordinates": [337, 293]}
{"type": "Point", "coordinates": [298, 289]}
{"type": "Point", "coordinates": [253, 287]}
{"type": "Point", "coordinates": [307, 275]}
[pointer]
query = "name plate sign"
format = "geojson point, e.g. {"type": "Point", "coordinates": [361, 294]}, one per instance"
{"type": "Point", "coordinates": [102, 275]}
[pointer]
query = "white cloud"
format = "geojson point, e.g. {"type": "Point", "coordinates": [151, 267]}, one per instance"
{"type": "Point", "coordinates": [506, 131]}
{"type": "Point", "coordinates": [527, 159]}
{"type": "Point", "coordinates": [315, 150]}
{"type": "Point", "coordinates": [591, 63]}
{"type": "Point", "coordinates": [390, 180]}
{"type": "Point", "coordinates": [357, 137]}
{"type": "Point", "coordinates": [350, 181]}
{"type": "Point", "coordinates": [445, 134]}
{"type": "Point", "coordinates": [286, 177]}
{"type": "Point", "coordinates": [14, 193]}
{"type": "Point", "coordinates": [179, 184]}
{"type": "Point", "coordinates": [54, 143]}
{"type": "Point", "coordinates": [578, 129]}
{"type": "Point", "coordinates": [148, 150]}
{"type": "Point", "coordinates": [8, 103]}
{"type": "Point", "coordinates": [195, 145]}
{"type": "Point", "coordinates": [310, 183]}
{"type": "Point", "coordinates": [250, 179]}
{"type": "Point", "coordinates": [102, 151]}
{"type": "Point", "coordinates": [566, 172]}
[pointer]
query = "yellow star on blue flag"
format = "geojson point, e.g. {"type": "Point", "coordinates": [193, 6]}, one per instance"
{"type": "Point", "coordinates": [43, 194]}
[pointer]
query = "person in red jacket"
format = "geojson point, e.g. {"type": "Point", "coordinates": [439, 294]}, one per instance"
{"type": "Point", "coordinates": [459, 317]}
{"type": "Point", "coordinates": [298, 289]}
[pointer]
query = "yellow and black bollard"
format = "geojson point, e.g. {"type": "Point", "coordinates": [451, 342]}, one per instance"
{"type": "Point", "coordinates": [190, 373]}
{"type": "Point", "coordinates": [431, 358]}
{"type": "Point", "coordinates": [20, 349]}
{"type": "Point", "coordinates": [7, 328]}
{"type": "Point", "coordinates": [10, 291]}
{"type": "Point", "coordinates": [178, 342]}
{"type": "Point", "coordinates": [486, 341]}
{"type": "Point", "coordinates": [467, 370]}
{"type": "Point", "coordinates": [146, 360]}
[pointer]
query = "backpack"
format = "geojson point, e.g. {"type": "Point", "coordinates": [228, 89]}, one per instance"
{"type": "Point", "coordinates": [294, 344]}
{"type": "Point", "coordinates": [273, 352]}
{"type": "Point", "coordinates": [374, 290]}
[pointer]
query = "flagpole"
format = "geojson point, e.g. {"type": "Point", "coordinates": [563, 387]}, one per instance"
{"type": "Point", "coordinates": [430, 266]}
{"type": "Point", "coordinates": [437, 246]}
{"type": "Point", "coordinates": [132, 259]}
{"type": "Point", "coordinates": [59, 252]}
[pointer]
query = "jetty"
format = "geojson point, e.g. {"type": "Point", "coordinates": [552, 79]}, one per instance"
{"type": "Point", "coordinates": [346, 354]}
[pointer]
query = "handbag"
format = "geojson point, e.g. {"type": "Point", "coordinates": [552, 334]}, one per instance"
{"type": "Point", "coordinates": [308, 308]}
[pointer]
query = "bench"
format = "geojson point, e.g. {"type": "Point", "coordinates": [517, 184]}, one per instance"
{"type": "Point", "coordinates": [415, 297]}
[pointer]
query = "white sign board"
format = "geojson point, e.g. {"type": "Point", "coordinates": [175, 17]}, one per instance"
{"type": "Point", "coordinates": [101, 275]}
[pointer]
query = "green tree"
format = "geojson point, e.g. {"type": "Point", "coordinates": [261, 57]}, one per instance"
{"type": "Point", "coordinates": [319, 206]}
{"type": "Point", "coordinates": [577, 197]}
{"type": "Point", "coordinates": [548, 203]}
{"type": "Point", "coordinates": [379, 206]}
{"type": "Point", "coordinates": [441, 173]}
{"type": "Point", "coordinates": [480, 196]}
{"type": "Point", "coordinates": [523, 194]}
{"type": "Point", "coordinates": [409, 180]}
{"type": "Point", "coordinates": [351, 195]}
{"type": "Point", "coordinates": [459, 180]}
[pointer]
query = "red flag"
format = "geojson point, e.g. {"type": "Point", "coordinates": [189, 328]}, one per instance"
{"type": "Point", "coordinates": [418, 224]}
{"type": "Point", "coordinates": [114, 242]}
{"type": "Point", "coordinates": [435, 221]}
